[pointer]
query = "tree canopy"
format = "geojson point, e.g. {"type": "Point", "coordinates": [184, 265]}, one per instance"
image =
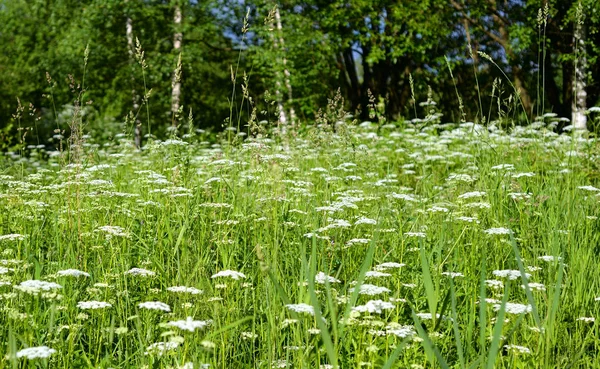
{"type": "Point", "coordinates": [389, 54]}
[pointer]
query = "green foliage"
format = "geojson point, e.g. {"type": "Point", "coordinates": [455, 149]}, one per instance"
{"type": "Point", "coordinates": [367, 49]}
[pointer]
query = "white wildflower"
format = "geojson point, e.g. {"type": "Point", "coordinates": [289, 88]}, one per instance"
{"type": "Point", "coordinates": [517, 349]}
{"type": "Point", "coordinates": [469, 195]}
{"type": "Point", "coordinates": [161, 348]}
{"type": "Point", "coordinates": [589, 188]}
{"type": "Point", "coordinates": [321, 278]}
{"type": "Point", "coordinates": [374, 306]}
{"type": "Point", "coordinates": [510, 274]}
{"type": "Point", "coordinates": [415, 234]}
{"type": "Point", "coordinates": [364, 220]}
{"type": "Point", "coordinates": [376, 274]}
{"type": "Point", "coordinates": [586, 319]}
{"type": "Point", "coordinates": [389, 265]}
{"type": "Point", "coordinates": [12, 237]}
{"type": "Point", "coordinates": [35, 286]}
{"type": "Point", "coordinates": [184, 289]}
{"type": "Point", "coordinates": [371, 290]}
{"type": "Point", "coordinates": [92, 305]}
{"type": "Point", "coordinates": [549, 258]}
{"type": "Point", "coordinates": [72, 273]}
{"type": "Point", "coordinates": [229, 273]}
{"type": "Point", "coordinates": [154, 305]}
{"type": "Point", "coordinates": [40, 352]}
{"type": "Point", "coordinates": [514, 308]}
{"type": "Point", "coordinates": [452, 274]}
{"type": "Point", "coordinates": [140, 272]}
{"type": "Point", "coordinates": [498, 231]}
{"type": "Point", "coordinates": [301, 308]}
{"type": "Point", "coordinates": [190, 324]}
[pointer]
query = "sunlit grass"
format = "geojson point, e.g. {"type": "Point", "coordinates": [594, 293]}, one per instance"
{"type": "Point", "coordinates": [432, 246]}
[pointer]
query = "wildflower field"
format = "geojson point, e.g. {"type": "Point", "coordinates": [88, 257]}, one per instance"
{"type": "Point", "coordinates": [398, 246]}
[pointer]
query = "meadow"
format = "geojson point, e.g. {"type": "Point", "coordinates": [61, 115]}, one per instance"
{"type": "Point", "coordinates": [340, 245]}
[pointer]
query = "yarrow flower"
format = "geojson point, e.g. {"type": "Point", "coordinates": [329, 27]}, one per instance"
{"type": "Point", "coordinates": [514, 308]}
{"type": "Point", "coordinates": [498, 231]}
{"type": "Point", "coordinates": [72, 273]}
{"type": "Point", "coordinates": [452, 274]}
{"type": "Point", "coordinates": [115, 231]}
{"type": "Point", "coordinates": [183, 289]}
{"type": "Point", "coordinates": [364, 220]}
{"type": "Point", "coordinates": [389, 265]}
{"type": "Point", "coordinates": [190, 324]}
{"type": "Point", "coordinates": [469, 195]}
{"type": "Point", "coordinates": [154, 305]}
{"type": "Point", "coordinates": [40, 352]}
{"type": "Point", "coordinates": [510, 274]}
{"type": "Point", "coordinates": [35, 286]}
{"type": "Point", "coordinates": [93, 305]}
{"type": "Point", "coordinates": [401, 331]}
{"type": "Point", "coordinates": [12, 237]}
{"type": "Point", "coordinates": [229, 273]}
{"type": "Point", "coordinates": [589, 188]}
{"type": "Point", "coordinates": [376, 274]}
{"type": "Point", "coordinates": [586, 319]}
{"type": "Point", "coordinates": [140, 272]}
{"type": "Point", "coordinates": [549, 258]}
{"type": "Point", "coordinates": [517, 349]}
{"type": "Point", "coordinates": [161, 348]}
{"type": "Point", "coordinates": [415, 234]}
{"type": "Point", "coordinates": [374, 306]}
{"type": "Point", "coordinates": [321, 278]}
{"type": "Point", "coordinates": [371, 290]}
{"type": "Point", "coordinates": [301, 308]}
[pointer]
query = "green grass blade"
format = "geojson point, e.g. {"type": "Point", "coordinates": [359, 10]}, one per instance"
{"type": "Point", "coordinates": [430, 349]}
{"type": "Point", "coordinates": [497, 332]}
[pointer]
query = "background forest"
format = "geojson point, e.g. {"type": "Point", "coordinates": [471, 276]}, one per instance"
{"type": "Point", "coordinates": [290, 57]}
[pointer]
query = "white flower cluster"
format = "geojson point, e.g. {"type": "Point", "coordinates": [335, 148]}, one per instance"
{"type": "Point", "coordinates": [93, 305]}
{"type": "Point", "coordinates": [113, 231]}
{"type": "Point", "coordinates": [189, 324]}
{"type": "Point", "coordinates": [35, 286]}
{"type": "Point", "coordinates": [160, 348]}
{"type": "Point", "coordinates": [154, 305]}
{"type": "Point", "coordinates": [140, 272]}
{"type": "Point", "coordinates": [12, 237]}
{"type": "Point", "coordinates": [40, 352]}
{"type": "Point", "coordinates": [514, 308]}
{"type": "Point", "coordinates": [491, 231]}
{"type": "Point", "coordinates": [230, 274]}
{"type": "Point", "coordinates": [389, 265]}
{"type": "Point", "coordinates": [72, 273]}
{"type": "Point", "coordinates": [376, 274]}
{"type": "Point", "coordinates": [374, 306]}
{"type": "Point", "coordinates": [322, 278]}
{"type": "Point", "coordinates": [301, 308]}
{"type": "Point", "coordinates": [371, 290]}
{"type": "Point", "coordinates": [184, 289]}
{"type": "Point", "coordinates": [510, 274]}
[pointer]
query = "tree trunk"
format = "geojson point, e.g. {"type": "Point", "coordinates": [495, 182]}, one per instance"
{"type": "Point", "coordinates": [354, 87]}
{"type": "Point", "coordinates": [134, 95]}
{"type": "Point", "coordinates": [567, 86]}
{"type": "Point", "coordinates": [278, 85]}
{"type": "Point", "coordinates": [286, 72]}
{"type": "Point", "coordinates": [176, 82]}
{"type": "Point", "coordinates": [579, 119]}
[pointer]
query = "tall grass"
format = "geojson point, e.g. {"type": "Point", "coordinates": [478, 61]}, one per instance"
{"type": "Point", "coordinates": [452, 205]}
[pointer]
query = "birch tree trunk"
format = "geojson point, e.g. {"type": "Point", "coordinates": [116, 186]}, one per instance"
{"type": "Point", "coordinates": [578, 118]}
{"type": "Point", "coordinates": [176, 82]}
{"type": "Point", "coordinates": [286, 72]}
{"type": "Point", "coordinates": [137, 136]}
